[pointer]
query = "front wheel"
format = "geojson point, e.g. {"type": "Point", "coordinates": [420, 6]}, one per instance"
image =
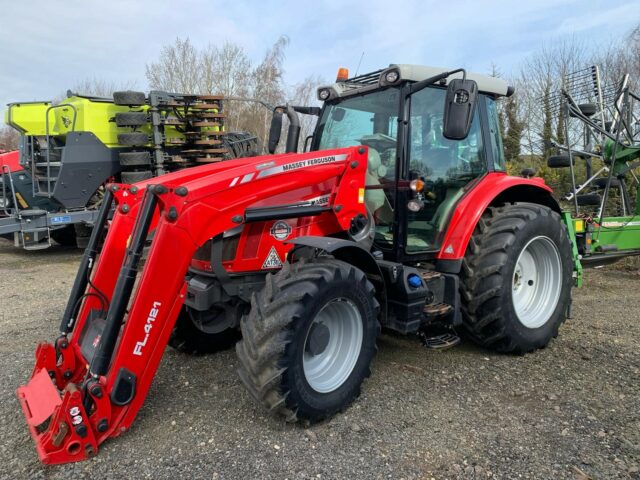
{"type": "Point", "coordinates": [516, 278]}
{"type": "Point", "coordinates": [308, 340]}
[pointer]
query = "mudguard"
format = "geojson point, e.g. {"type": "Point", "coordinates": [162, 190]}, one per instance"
{"type": "Point", "coordinates": [492, 189]}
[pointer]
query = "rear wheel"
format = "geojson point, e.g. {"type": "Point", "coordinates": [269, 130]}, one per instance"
{"type": "Point", "coordinates": [308, 340]}
{"type": "Point", "coordinates": [516, 278]}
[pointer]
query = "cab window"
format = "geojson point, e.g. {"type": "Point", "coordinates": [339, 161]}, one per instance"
{"type": "Point", "coordinates": [497, 148]}
{"type": "Point", "coordinates": [369, 120]}
{"type": "Point", "coordinates": [445, 165]}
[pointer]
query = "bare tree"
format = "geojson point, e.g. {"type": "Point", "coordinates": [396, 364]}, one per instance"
{"type": "Point", "coordinates": [618, 59]}
{"type": "Point", "coordinates": [267, 81]}
{"type": "Point", "coordinates": [9, 139]}
{"type": "Point", "coordinates": [304, 94]}
{"type": "Point", "coordinates": [226, 70]}
{"type": "Point", "coordinates": [100, 88]}
{"type": "Point", "coordinates": [177, 69]}
{"type": "Point", "coordinates": [540, 81]}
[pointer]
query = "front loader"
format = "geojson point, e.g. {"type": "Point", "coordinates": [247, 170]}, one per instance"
{"type": "Point", "coordinates": [400, 216]}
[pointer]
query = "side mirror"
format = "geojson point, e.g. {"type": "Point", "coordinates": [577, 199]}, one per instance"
{"type": "Point", "coordinates": [275, 130]}
{"type": "Point", "coordinates": [459, 107]}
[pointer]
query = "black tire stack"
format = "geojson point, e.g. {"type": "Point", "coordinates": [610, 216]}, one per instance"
{"type": "Point", "coordinates": [176, 131]}
{"type": "Point", "coordinates": [136, 164]}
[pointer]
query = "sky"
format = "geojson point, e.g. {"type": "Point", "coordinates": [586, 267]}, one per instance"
{"type": "Point", "coordinates": [48, 46]}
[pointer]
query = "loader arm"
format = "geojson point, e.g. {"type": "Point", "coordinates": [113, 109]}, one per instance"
{"type": "Point", "coordinates": [74, 400]}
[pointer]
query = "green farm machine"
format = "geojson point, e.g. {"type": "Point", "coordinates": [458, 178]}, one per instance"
{"type": "Point", "coordinates": [602, 153]}
{"type": "Point", "coordinates": [71, 149]}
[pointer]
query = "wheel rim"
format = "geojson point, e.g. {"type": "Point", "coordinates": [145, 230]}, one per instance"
{"type": "Point", "coordinates": [537, 282]}
{"type": "Point", "coordinates": [332, 345]}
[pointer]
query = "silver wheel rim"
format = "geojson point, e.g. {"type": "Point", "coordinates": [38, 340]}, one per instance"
{"type": "Point", "coordinates": [537, 282]}
{"type": "Point", "coordinates": [327, 370]}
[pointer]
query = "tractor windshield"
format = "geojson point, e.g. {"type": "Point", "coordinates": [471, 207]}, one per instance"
{"type": "Point", "coordinates": [372, 120]}
{"type": "Point", "coordinates": [446, 165]}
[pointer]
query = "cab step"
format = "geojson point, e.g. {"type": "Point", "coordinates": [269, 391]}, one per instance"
{"type": "Point", "coordinates": [437, 310]}
{"type": "Point", "coordinates": [442, 341]}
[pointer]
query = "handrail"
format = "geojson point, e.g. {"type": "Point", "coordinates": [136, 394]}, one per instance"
{"type": "Point", "coordinates": [47, 136]}
{"type": "Point", "coordinates": [6, 170]}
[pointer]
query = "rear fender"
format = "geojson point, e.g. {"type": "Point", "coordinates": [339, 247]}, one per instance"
{"type": "Point", "coordinates": [493, 189]}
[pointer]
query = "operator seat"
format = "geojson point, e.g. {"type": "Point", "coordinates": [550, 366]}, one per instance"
{"type": "Point", "coordinates": [376, 199]}
{"type": "Point", "coordinates": [437, 164]}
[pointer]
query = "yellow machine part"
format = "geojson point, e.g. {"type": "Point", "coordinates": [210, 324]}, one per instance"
{"type": "Point", "coordinates": [72, 114]}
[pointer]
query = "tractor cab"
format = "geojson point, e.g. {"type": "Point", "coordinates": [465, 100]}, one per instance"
{"type": "Point", "coordinates": [417, 171]}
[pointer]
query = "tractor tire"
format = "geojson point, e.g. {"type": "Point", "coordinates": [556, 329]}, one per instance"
{"type": "Point", "coordinates": [559, 161]}
{"type": "Point", "coordinates": [135, 177]}
{"type": "Point", "coordinates": [65, 236]}
{"type": "Point", "coordinates": [129, 97]}
{"type": "Point", "coordinates": [588, 109]}
{"type": "Point", "coordinates": [131, 119]}
{"type": "Point", "coordinates": [135, 159]}
{"type": "Point", "coordinates": [516, 278]}
{"type": "Point", "coordinates": [308, 340]}
{"type": "Point", "coordinates": [589, 200]}
{"type": "Point", "coordinates": [601, 183]}
{"type": "Point", "coordinates": [187, 338]}
{"type": "Point", "coordinates": [133, 139]}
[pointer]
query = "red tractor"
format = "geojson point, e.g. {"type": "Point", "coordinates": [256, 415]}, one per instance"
{"type": "Point", "coordinates": [400, 216]}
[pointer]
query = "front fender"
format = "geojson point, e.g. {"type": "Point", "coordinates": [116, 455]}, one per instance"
{"type": "Point", "coordinates": [492, 189]}
{"type": "Point", "coordinates": [352, 253]}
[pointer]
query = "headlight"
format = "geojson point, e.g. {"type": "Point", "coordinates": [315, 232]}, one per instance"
{"type": "Point", "coordinates": [3, 202]}
{"type": "Point", "coordinates": [415, 205]}
{"type": "Point", "coordinates": [389, 77]}
{"type": "Point", "coordinates": [324, 94]}
{"type": "Point", "coordinates": [392, 76]}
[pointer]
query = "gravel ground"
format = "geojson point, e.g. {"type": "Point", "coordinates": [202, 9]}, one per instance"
{"type": "Point", "coordinates": [569, 411]}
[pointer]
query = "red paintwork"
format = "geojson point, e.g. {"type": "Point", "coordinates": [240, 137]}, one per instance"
{"type": "Point", "coordinates": [11, 159]}
{"type": "Point", "coordinates": [216, 194]}
{"type": "Point", "coordinates": [471, 207]}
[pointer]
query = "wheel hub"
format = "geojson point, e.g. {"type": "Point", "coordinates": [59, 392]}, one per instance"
{"type": "Point", "coordinates": [318, 340]}
{"type": "Point", "coordinates": [332, 345]}
{"type": "Point", "coordinates": [537, 281]}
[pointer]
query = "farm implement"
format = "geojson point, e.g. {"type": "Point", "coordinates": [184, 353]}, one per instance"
{"type": "Point", "coordinates": [602, 154]}
{"type": "Point", "coordinates": [70, 150]}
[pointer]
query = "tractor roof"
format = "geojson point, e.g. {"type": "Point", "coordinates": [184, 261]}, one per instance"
{"type": "Point", "coordinates": [415, 73]}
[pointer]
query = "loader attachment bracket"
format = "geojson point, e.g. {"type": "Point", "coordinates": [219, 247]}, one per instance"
{"type": "Point", "coordinates": [58, 424]}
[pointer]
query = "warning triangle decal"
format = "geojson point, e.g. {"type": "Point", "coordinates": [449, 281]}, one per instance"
{"type": "Point", "coordinates": [272, 260]}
